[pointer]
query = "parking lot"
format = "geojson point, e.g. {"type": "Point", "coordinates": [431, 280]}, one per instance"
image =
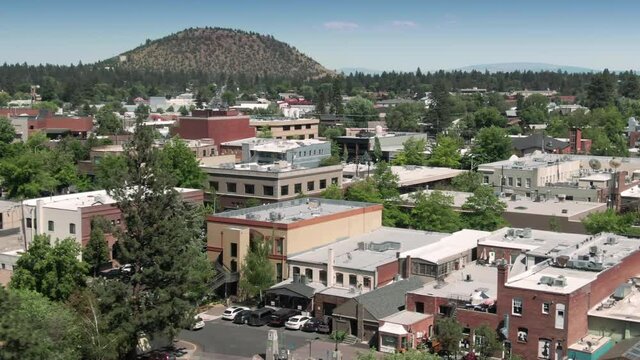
{"type": "Point", "coordinates": [220, 337]}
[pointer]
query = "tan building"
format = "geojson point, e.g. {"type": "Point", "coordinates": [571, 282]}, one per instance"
{"type": "Point", "coordinates": [288, 128]}
{"type": "Point", "coordinates": [291, 227]}
{"type": "Point", "coordinates": [236, 183]}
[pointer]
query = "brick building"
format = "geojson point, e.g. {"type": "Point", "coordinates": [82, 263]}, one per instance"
{"type": "Point", "coordinates": [219, 125]}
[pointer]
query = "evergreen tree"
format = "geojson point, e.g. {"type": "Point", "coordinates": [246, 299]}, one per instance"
{"type": "Point", "coordinates": [377, 150]}
{"type": "Point", "coordinates": [601, 91]}
{"type": "Point", "coordinates": [336, 97]}
{"type": "Point", "coordinates": [96, 252]}
{"type": "Point", "coordinates": [440, 109]}
{"type": "Point", "coordinates": [630, 85]}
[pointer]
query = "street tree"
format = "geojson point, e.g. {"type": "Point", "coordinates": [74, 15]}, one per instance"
{"type": "Point", "coordinates": [181, 163]}
{"type": "Point", "coordinates": [405, 117]}
{"type": "Point", "coordinates": [96, 252]}
{"type": "Point", "coordinates": [257, 273]}
{"type": "Point", "coordinates": [446, 152]}
{"type": "Point", "coordinates": [52, 270]}
{"type": "Point", "coordinates": [33, 327]}
{"type": "Point", "coordinates": [162, 240]}
{"type": "Point", "coordinates": [484, 210]}
{"type": "Point", "coordinates": [487, 343]}
{"type": "Point", "coordinates": [434, 212]}
{"type": "Point", "coordinates": [491, 144]}
{"type": "Point", "coordinates": [449, 334]}
{"type": "Point", "coordinates": [412, 152]}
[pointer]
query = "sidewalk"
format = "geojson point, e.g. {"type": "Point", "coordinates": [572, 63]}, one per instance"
{"type": "Point", "coordinates": [213, 313]}
{"type": "Point", "coordinates": [323, 349]}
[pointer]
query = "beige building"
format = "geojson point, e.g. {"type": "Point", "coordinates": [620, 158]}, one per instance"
{"type": "Point", "coordinates": [288, 128]}
{"type": "Point", "coordinates": [236, 183]}
{"type": "Point", "coordinates": [290, 227]}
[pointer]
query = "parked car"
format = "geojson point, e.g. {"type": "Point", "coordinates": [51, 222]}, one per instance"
{"type": "Point", "coordinates": [325, 326]}
{"type": "Point", "coordinates": [231, 312]}
{"type": "Point", "coordinates": [296, 322]}
{"type": "Point", "coordinates": [198, 323]}
{"type": "Point", "coordinates": [260, 317]}
{"type": "Point", "coordinates": [242, 317]}
{"type": "Point", "coordinates": [311, 325]}
{"type": "Point", "coordinates": [280, 317]}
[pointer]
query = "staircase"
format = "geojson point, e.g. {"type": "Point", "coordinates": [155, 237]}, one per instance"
{"type": "Point", "coordinates": [350, 340]}
{"type": "Point", "coordinates": [223, 276]}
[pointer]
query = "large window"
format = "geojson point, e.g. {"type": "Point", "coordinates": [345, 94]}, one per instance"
{"type": "Point", "coordinates": [523, 334]}
{"type": "Point", "coordinates": [545, 308]}
{"type": "Point", "coordinates": [323, 276]}
{"type": "Point", "coordinates": [297, 188]}
{"type": "Point", "coordinates": [311, 185]}
{"type": "Point", "coordinates": [559, 316]}
{"type": "Point", "coordinates": [366, 282]}
{"type": "Point", "coordinates": [419, 307]}
{"type": "Point", "coordinates": [231, 187]}
{"type": "Point", "coordinates": [278, 245]}
{"type": "Point", "coordinates": [284, 190]}
{"type": "Point", "coordinates": [516, 306]}
{"type": "Point", "coordinates": [249, 189]}
{"type": "Point", "coordinates": [29, 223]}
{"type": "Point", "coordinates": [389, 341]}
{"type": "Point", "coordinates": [213, 185]}
{"type": "Point", "coordinates": [353, 280]}
{"type": "Point", "coordinates": [334, 180]}
{"type": "Point", "coordinates": [267, 190]}
{"type": "Point", "coordinates": [278, 272]}
{"type": "Point", "coordinates": [323, 184]}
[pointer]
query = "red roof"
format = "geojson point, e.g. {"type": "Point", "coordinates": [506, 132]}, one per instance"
{"type": "Point", "coordinates": [13, 112]}
{"type": "Point", "coordinates": [291, 101]}
{"type": "Point", "coordinates": [75, 124]}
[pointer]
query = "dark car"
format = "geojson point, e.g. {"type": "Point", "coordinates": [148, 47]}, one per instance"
{"type": "Point", "coordinates": [325, 326]}
{"type": "Point", "coordinates": [281, 316]}
{"type": "Point", "coordinates": [242, 317]}
{"type": "Point", "coordinates": [311, 325]}
{"type": "Point", "coordinates": [260, 317]}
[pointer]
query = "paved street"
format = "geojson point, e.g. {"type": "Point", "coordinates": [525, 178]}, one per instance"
{"type": "Point", "coordinates": [221, 337]}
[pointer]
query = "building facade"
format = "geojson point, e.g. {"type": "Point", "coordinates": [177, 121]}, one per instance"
{"type": "Point", "coordinates": [219, 125]}
{"type": "Point", "coordinates": [288, 129]}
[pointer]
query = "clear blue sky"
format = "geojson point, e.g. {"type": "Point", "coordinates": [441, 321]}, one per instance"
{"type": "Point", "coordinates": [400, 35]}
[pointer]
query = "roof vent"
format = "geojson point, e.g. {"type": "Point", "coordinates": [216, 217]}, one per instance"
{"type": "Point", "coordinates": [560, 281]}
{"type": "Point", "coordinates": [611, 240]}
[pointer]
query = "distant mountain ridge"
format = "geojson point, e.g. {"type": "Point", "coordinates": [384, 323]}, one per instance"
{"type": "Point", "coordinates": [220, 51]}
{"type": "Point", "coordinates": [353, 70]}
{"type": "Point", "coordinates": [525, 66]}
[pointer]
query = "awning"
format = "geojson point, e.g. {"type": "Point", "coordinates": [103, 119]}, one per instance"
{"type": "Point", "coordinates": [390, 328]}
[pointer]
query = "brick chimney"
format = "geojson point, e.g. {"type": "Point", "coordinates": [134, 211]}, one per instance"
{"type": "Point", "coordinates": [330, 272]}
{"type": "Point", "coordinates": [407, 267]}
{"type": "Point", "coordinates": [503, 273]}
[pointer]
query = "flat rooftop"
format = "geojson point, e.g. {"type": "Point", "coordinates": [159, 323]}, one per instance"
{"type": "Point", "coordinates": [633, 192]}
{"type": "Point", "coordinates": [590, 344]}
{"type": "Point", "coordinates": [626, 163]}
{"type": "Point", "coordinates": [484, 279]}
{"type": "Point", "coordinates": [406, 317]}
{"type": "Point", "coordinates": [412, 175]}
{"type": "Point", "coordinates": [597, 177]}
{"type": "Point", "coordinates": [448, 246]}
{"type": "Point", "coordinates": [626, 309]}
{"type": "Point", "coordinates": [281, 146]}
{"type": "Point", "coordinates": [277, 167]}
{"type": "Point", "coordinates": [528, 162]}
{"type": "Point", "coordinates": [370, 250]}
{"type": "Point", "coordinates": [526, 205]}
{"type": "Point", "coordinates": [75, 201]}
{"type": "Point", "coordinates": [289, 212]}
{"type": "Point", "coordinates": [531, 280]}
{"type": "Point", "coordinates": [6, 205]}
{"type": "Point", "coordinates": [258, 121]}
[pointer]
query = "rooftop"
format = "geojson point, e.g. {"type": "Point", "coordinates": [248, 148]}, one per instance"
{"type": "Point", "coordinates": [528, 162]}
{"type": "Point", "coordinates": [370, 250]}
{"type": "Point", "coordinates": [289, 212]}
{"type": "Point", "coordinates": [622, 309]}
{"type": "Point", "coordinates": [281, 146]}
{"type": "Point", "coordinates": [6, 205]}
{"type": "Point", "coordinates": [483, 279]}
{"type": "Point", "coordinates": [590, 343]}
{"type": "Point", "coordinates": [277, 167]}
{"type": "Point", "coordinates": [406, 317]}
{"type": "Point", "coordinates": [597, 177]}
{"type": "Point", "coordinates": [448, 246]}
{"type": "Point", "coordinates": [411, 175]}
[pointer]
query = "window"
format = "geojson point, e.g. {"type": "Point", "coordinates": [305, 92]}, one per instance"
{"type": "Point", "coordinates": [523, 333]}
{"type": "Point", "coordinates": [50, 225]}
{"type": "Point", "coordinates": [545, 308]}
{"type": "Point", "coordinates": [297, 188]}
{"type": "Point", "coordinates": [334, 180]}
{"type": "Point", "coordinates": [390, 341]}
{"type": "Point", "coordinates": [308, 126]}
{"type": "Point", "coordinates": [296, 270]}
{"type": "Point", "coordinates": [278, 272]}
{"type": "Point", "coordinates": [249, 189]}
{"type": "Point", "coordinates": [309, 274]}
{"type": "Point", "coordinates": [323, 276]}
{"type": "Point", "coordinates": [29, 223]}
{"type": "Point", "coordinates": [231, 187]}
{"type": "Point", "coordinates": [214, 185]}
{"type": "Point", "coordinates": [485, 180]}
{"type": "Point", "coordinates": [559, 316]}
{"type": "Point", "coordinates": [443, 309]}
{"type": "Point", "coordinates": [544, 349]}
{"type": "Point", "coordinates": [297, 127]}
{"type": "Point", "coordinates": [323, 184]}
{"type": "Point", "coordinates": [366, 282]}
{"type": "Point", "coordinates": [284, 190]}
{"type": "Point", "coordinates": [519, 182]}
{"type": "Point", "coordinates": [286, 128]}
{"type": "Point", "coordinates": [516, 306]}
{"type": "Point", "coordinates": [527, 182]}
{"type": "Point", "coordinates": [234, 265]}
{"type": "Point", "coordinates": [72, 228]}
{"type": "Point", "coordinates": [339, 279]}
{"type": "Point", "coordinates": [353, 280]}
{"type": "Point", "coordinates": [510, 181]}
{"type": "Point", "coordinates": [279, 245]}
{"type": "Point", "coordinates": [267, 190]}
{"type": "Point", "coordinates": [311, 185]}
{"type": "Point", "coordinates": [234, 250]}
{"type": "Point", "coordinates": [204, 153]}
{"type": "Point", "coordinates": [311, 136]}
{"type": "Point", "coordinates": [420, 307]}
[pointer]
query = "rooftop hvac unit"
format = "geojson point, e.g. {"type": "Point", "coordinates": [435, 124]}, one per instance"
{"type": "Point", "coordinates": [511, 232]}
{"type": "Point", "coordinates": [622, 291]}
{"type": "Point", "coordinates": [560, 281]}
{"type": "Point", "coordinates": [611, 240]}
{"type": "Point", "coordinates": [562, 260]}
{"type": "Point", "coordinates": [593, 250]}
{"type": "Point", "coordinates": [546, 280]}
{"type": "Point", "coordinates": [526, 233]}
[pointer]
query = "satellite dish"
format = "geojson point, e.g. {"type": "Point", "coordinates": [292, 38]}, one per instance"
{"type": "Point", "coordinates": [615, 163]}
{"type": "Point", "coordinates": [595, 164]}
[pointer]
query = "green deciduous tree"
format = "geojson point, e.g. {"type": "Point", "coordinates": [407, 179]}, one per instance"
{"type": "Point", "coordinates": [484, 210]}
{"type": "Point", "coordinates": [181, 163]}
{"type": "Point", "coordinates": [46, 105]}
{"type": "Point", "coordinates": [257, 273]}
{"type": "Point", "coordinates": [487, 117]}
{"type": "Point", "coordinates": [608, 221]}
{"type": "Point", "coordinates": [449, 334]}
{"type": "Point", "coordinates": [52, 270]}
{"type": "Point", "coordinates": [332, 192]}
{"type": "Point", "coordinates": [7, 131]}
{"type": "Point", "coordinates": [265, 133]}
{"type": "Point", "coordinates": [434, 212]}
{"type": "Point", "coordinates": [491, 144]}
{"type": "Point", "coordinates": [405, 117]}
{"type": "Point", "coordinates": [467, 182]}
{"type": "Point", "coordinates": [360, 110]}
{"type": "Point", "coordinates": [487, 343]}
{"type": "Point", "coordinates": [108, 121]}
{"type": "Point", "coordinates": [446, 152]}
{"type": "Point", "coordinates": [96, 252]}
{"type": "Point", "coordinates": [412, 152]}
{"type": "Point", "coordinates": [162, 240]}
{"type": "Point", "coordinates": [33, 327]}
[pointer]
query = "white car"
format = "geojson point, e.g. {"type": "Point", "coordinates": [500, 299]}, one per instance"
{"type": "Point", "coordinates": [231, 312]}
{"type": "Point", "coordinates": [198, 324]}
{"type": "Point", "coordinates": [296, 322]}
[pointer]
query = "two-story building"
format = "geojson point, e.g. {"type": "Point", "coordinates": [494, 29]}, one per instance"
{"type": "Point", "coordinates": [289, 129]}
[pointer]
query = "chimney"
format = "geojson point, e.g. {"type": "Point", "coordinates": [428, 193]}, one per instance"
{"type": "Point", "coordinates": [330, 272]}
{"type": "Point", "coordinates": [407, 267]}
{"type": "Point", "coordinates": [503, 273]}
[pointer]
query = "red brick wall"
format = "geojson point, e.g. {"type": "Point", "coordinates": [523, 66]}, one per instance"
{"type": "Point", "coordinates": [320, 299]}
{"type": "Point", "coordinates": [386, 273]}
{"type": "Point", "coordinates": [219, 129]}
